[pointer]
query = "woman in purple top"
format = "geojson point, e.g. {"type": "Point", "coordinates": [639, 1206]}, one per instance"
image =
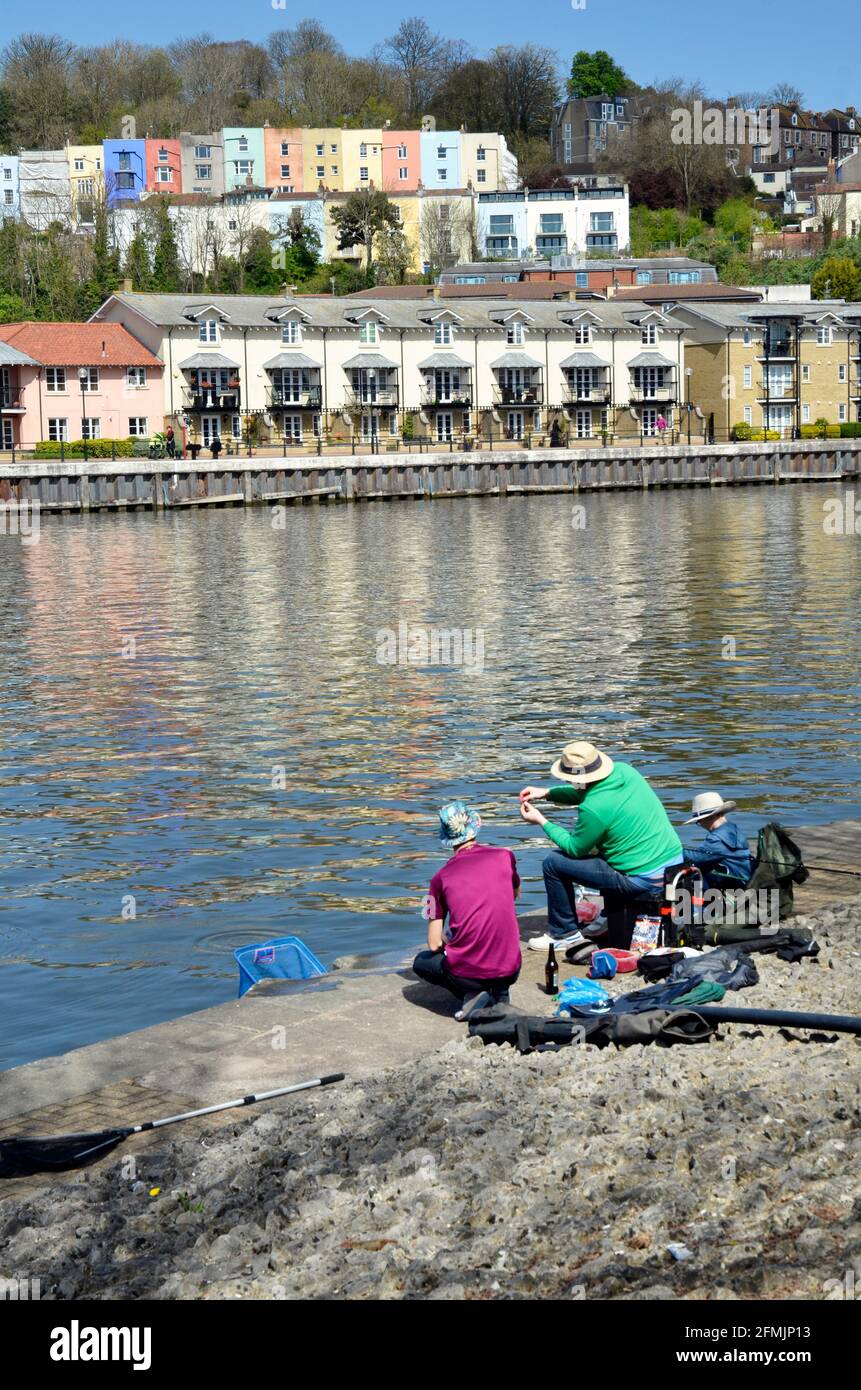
{"type": "Point", "coordinates": [475, 955]}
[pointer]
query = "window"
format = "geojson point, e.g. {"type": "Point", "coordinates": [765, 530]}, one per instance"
{"type": "Point", "coordinates": [163, 175]}
{"type": "Point", "coordinates": [285, 171]}
{"type": "Point", "coordinates": [243, 166]}
{"type": "Point", "coordinates": [481, 153]}
{"type": "Point", "coordinates": [79, 167]}
{"type": "Point", "coordinates": [292, 428]}
{"type": "Point", "coordinates": [440, 153]}
{"type": "Point", "coordinates": [620, 111]}
{"type": "Point", "coordinates": [748, 414]}
{"type": "Point", "coordinates": [402, 151]}
{"type": "Point", "coordinates": [7, 172]}
{"type": "Point", "coordinates": [823, 335]}
{"type": "Point", "coordinates": [319, 151]}
{"type": "Point", "coordinates": [203, 171]}
{"type": "Point", "coordinates": [551, 223]}
{"type": "Point", "coordinates": [207, 331]}
{"type": "Point", "coordinates": [334, 168]}
{"type": "Point", "coordinates": [393, 422]}
{"type": "Point", "coordinates": [91, 427]}
{"type": "Point", "coordinates": [403, 172]}
{"type": "Point", "coordinates": [481, 176]}
{"type": "Point", "coordinates": [363, 171]}
{"type": "Point", "coordinates": [584, 424]}
{"type": "Point", "coordinates": [91, 381]}
{"type": "Point", "coordinates": [321, 171]}
{"type": "Point", "coordinates": [124, 160]}
{"type": "Point", "coordinates": [8, 196]}
{"type": "Point", "coordinates": [748, 378]}
{"type": "Point", "coordinates": [649, 334]}
{"type": "Point", "coordinates": [291, 331]}
{"type": "Point", "coordinates": [841, 371]}
{"type": "Point", "coordinates": [601, 222]}
{"type": "Point", "coordinates": [581, 280]}
{"type": "Point", "coordinates": [768, 178]}
{"type": "Point", "coordinates": [582, 333]}
{"type": "Point", "coordinates": [841, 412]}
{"type": "Point", "coordinates": [368, 332]}
{"type": "Point", "coordinates": [58, 430]}
{"type": "Point", "coordinates": [162, 156]}
{"type": "Point", "coordinates": [805, 415]}
{"type": "Point", "coordinates": [231, 226]}
{"type": "Point", "coordinates": [203, 151]}
{"type": "Point", "coordinates": [286, 188]}
{"type": "Point", "coordinates": [135, 376]}
{"type": "Point", "coordinates": [363, 151]}
{"type": "Point", "coordinates": [285, 148]}
{"type": "Point", "coordinates": [747, 337]}
{"type": "Point", "coordinates": [334, 149]}
{"type": "Point", "coordinates": [55, 378]}
{"type": "Point", "coordinates": [684, 277]}
{"type": "Point", "coordinates": [644, 277]}
{"type": "Point", "coordinates": [442, 175]}
{"type": "Point", "coordinates": [125, 180]}
{"type": "Point", "coordinates": [514, 334]}
{"type": "Point", "coordinates": [242, 144]}
{"type": "Point", "coordinates": [442, 334]}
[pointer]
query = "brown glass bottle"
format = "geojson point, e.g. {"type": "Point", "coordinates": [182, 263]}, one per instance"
{"type": "Point", "coordinates": [551, 971]}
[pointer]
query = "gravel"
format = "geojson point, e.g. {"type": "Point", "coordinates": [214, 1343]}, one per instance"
{"type": "Point", "coordinates": [478, 1173]}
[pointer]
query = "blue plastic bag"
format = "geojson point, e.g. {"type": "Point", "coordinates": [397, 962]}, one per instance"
{"type": "Point", "coordinates": [603, 967]}
{"type": "Point", "coordinates": [579, 995]}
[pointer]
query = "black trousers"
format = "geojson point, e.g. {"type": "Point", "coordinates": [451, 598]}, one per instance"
{"type": "Point", "coordinates": [431, 966]}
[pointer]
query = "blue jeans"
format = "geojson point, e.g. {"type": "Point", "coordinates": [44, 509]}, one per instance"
{"type": "Point", "coordinates": [562, 875]}
{"type": "Point", "coordinates": [431, 967]}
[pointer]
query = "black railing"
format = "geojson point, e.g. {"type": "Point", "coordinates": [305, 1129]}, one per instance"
{"type": "Point", "coordinates": [214, 399]}
{"type": "Point", "coordinates": [519, 395]}
{"type": "Point", "coordinates": [281, 397]}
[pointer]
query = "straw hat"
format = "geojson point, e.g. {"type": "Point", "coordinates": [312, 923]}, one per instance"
{"type": "Point", "coordinates": [581, 764]}
{"type": "Point", "coordinates": [708, 804]}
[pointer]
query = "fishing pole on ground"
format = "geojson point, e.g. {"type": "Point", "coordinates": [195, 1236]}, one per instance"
{"type": "Point", "coordinates": [22, 1156]}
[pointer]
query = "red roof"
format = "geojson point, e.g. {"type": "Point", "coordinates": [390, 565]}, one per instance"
{"type": "Point", "coordinates": [79, 344]}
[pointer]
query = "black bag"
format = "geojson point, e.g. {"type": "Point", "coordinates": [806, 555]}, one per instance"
{"type": "Point", "coordinates": [526, 1032]}
{"type": "Point", "coordinates": [778, 864]}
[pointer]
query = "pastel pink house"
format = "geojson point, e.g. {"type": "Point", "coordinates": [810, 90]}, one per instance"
{"type": "Point", "coordinates": [402, 160]}
{"type": "Point", "coordinates": [68, 381]}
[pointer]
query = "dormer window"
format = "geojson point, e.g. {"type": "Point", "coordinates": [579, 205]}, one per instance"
{"type": "Point", "coordinates": [514, 335]}
{"type": "Point", "coordinates": [795, 120]}
{"type": "Point", "coordinates": [208, 331]}
{"type": "Point", "coordinates": [442, 334]}
{"type": "Point", "coordinates": [582, 332]}
{"type": "Point", "coordinates": [649, 334]}
{"type": "Point", "coordinates": [823, 335]}
{"type": "Point", "coordinates": [368, 332]}
{"type": "Point", "coordinates": [291, 331]}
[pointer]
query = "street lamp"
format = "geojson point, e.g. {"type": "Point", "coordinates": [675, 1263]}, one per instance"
{"type": "Point", "coordinates": [689, 371]}
{"type": "Point", "coordinates": [83, 378]}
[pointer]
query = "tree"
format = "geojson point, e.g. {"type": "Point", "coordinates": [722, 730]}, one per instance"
{"type": "Point", "coordinates": [136, 264]}
{"type": "Point", "coordinates": [166, 269]}
{"type": "Point", "coordinates": [528, 88]}
{"type": "Point", "coordinates": [299, 239]}
{"type": "Point", "coordinates": [423, 58]}
{"type": "Point", "coordinates": [469, 97]}
{"type": "Point", "coordinates": [363, 217]}
{"type": "Point", "coordinates": [394, 256]}
{"type": "Point", "coordinates": [36, 73]}
{"type": "Point", "coordinates": [596, 75]}
{"type": "Point", "coordinates": [785, 94]}
{"type": "Point", "coordinates": [446, 233]}
{"type": "Point", "coordinates": [830, 204]}
{"type": "Point", "coordinates": [837, 278]}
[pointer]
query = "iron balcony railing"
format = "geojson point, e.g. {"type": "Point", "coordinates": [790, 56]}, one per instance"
{"type": "Point", "coordinates": [530, 393]}
{"type": "Point", "coordinates": [305, 397]}
{"type": "Point", "coordinates": [653, 393]}
{"type": "Point", "coordinates": [213, 398]}
{"type": "Point", "coordinates": [11, 399]}
{"type": "Point", "coordinates": [572, 394]}
{"type": "Point", "coordinates": [366, 397]}
{"type": "Point", "coordinates": [777, 347]}
{"type": "Point", "coordinates": [438, 395]}
{"type": "Point", "coordinates": [776, 390]}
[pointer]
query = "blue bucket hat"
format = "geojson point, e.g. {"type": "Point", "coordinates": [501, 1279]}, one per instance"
{"type": "Point", "coordinates": [457, 824]}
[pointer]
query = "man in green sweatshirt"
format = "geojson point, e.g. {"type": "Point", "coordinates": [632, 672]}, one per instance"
{"type": "Point", "coordinates": [621, 844]}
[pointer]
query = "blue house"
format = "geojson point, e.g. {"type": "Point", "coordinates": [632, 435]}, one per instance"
{"type": "Point", "coordinates": [440, 163]}
{"type": "Point", "coordinates": [125, 170]}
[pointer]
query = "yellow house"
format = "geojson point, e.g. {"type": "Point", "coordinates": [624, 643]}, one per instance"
{"type": "Point", "coordinates": [362, 158]}
{"type": "Point", "coordinates": [323, 158]}
{"type": "Point", "coordinates": [86, 181]}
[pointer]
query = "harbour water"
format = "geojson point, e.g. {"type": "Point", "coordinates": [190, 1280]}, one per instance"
{"type": "Point", "coordinates": [214, 729]}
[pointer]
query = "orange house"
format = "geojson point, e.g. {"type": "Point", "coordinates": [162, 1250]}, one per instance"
{"type": "Point", "coordinates": [282, 157]}
{"type": "Point", "coordinates": [402, 160]}
{"type": "Point", "coordinates": [163, 166]}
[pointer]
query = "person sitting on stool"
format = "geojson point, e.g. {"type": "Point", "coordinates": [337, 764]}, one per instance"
{"type": "Point", "coordinates": [621, 845]}
{"type": "Point", "coordinates": [476, 957]}
{"type": "Point", "coordinates": [724, 854]}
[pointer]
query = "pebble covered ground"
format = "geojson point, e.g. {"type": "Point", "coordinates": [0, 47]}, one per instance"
{"type": "Point", "coordinates": [727, 1170]}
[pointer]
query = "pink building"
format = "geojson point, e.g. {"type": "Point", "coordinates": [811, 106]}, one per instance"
{"type": "Point", "coordinates": [68, 381]}
{"type": "Point", "coordinates": [282, 159]}
{"type": "Point", "coordinates": [163, 166]}
{"type": "Point", "coordinates": [402, 160]}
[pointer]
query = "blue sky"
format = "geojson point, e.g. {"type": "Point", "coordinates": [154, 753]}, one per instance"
{"type": "Point", "coordinates": [732, 45]}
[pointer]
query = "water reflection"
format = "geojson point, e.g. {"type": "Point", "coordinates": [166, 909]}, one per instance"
{"type": "Point", "coordinates": [150, 777]}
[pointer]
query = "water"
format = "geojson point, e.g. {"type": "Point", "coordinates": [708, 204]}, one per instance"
{"type": "Point", "coordinates": [151, 777]}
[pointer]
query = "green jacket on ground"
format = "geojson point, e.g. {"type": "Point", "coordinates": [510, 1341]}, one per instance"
{"type": "Point", "coordinates": [621, 819]}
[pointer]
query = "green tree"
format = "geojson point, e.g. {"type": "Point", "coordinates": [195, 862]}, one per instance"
{"type": "Point", "coordinates": [836, 278]}
{"type": "Point", "coordinates": [12, 308]}
{"type": "Point", "coordinates": [166, 269]}
{"type": "Point", "coordinates": [394, 256]}
{"type": "Point", "coordinates": [361, 220]}
{"type": "Point", "coordinates": [596, 75]}
{"type": "Point", "coordinates": [137, 266]}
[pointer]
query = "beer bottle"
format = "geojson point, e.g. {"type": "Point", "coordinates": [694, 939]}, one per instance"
{"type": "Point", "coordinates": [551, 972]}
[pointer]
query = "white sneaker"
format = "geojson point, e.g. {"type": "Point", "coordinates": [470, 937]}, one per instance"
{"type": "Point", "coordinates": [543, 942]}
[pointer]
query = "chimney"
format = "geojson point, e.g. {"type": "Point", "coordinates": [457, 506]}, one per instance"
{"type": "Point", "coordinates": [128, 287]}
{"type": "Point", "coordinates": [436, 289]}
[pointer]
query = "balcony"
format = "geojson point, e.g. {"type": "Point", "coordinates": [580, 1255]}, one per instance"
{"type": "Point", "coordinates": [776, 390]}
{"type": "Point", "coordinates": [649, 394]}
{"type": "Point", "coordinates": [12, 400]}
{"type": "Point", "coordinates": [213, 398]}
{"type": "Point", "coordinates": [777, 347]}
{"type": "Point", "coordinates": [295, 397]}
{"type": "Point", "coordinates": [530, 393]}
{"type": "Point", "coordinates": [460, 399]}
{"type": "Point", "coordinates": [572, 394]}
{"type": "Point", "coordinates": [368, 397]}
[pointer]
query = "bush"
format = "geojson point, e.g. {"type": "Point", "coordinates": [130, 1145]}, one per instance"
{"type": "Point", "coordinates": [851, 429]}
{"type": "Point", "coordinates": [96, 449]}
{"type": "Point", "coordinates": [744, 431]}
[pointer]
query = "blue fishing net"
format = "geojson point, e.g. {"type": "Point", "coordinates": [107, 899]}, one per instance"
{"type": "Point", "coordinates": [285, 958]}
